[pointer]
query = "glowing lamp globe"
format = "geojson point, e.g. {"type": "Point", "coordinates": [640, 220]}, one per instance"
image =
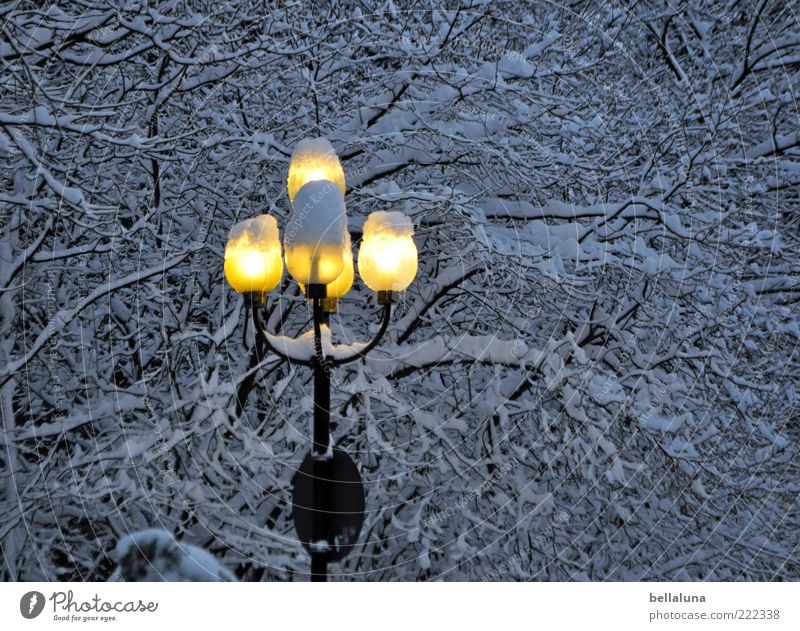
{"type": "Point", "coordinates": [314, 160]}
{"type": "Point", "coordinates": [344, 281]}
{"type": "Point", "coordinates": [253, 261]}
{"type": "Point", "coordinates": [387, 258]}
{"type": "Point", "coordinates": [316, 236]}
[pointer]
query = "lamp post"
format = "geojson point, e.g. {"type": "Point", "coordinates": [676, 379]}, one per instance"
{"type": "Point", "coordinates": [328, 497]}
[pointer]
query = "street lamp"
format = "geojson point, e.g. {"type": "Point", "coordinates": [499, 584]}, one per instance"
{"type": "Point", "coordinates": [315, 236]}
{"type": "Point", "coordinates": [387, 259]}
{"type": "Point", "coordinates": [336, 289]}
{"type": "Point", "coordinates": [253, 262]}
{"type": "Point", "coordinates": [328, 496]}
{"type": "Point", "coordinates": [314, 160]}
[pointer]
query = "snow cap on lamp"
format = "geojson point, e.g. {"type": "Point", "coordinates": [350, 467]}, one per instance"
{"type": "Point", "coordinates": [253, 261]}
{"type": "Point", "coordinates": [316, 235]}
{"type": "Point", "coordinates": [314, 160]}
{"type": "Point", "coordinates": [387, 258]}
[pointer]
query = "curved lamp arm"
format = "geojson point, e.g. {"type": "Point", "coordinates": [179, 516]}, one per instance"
{"type": "Point", "coordinates": [387, 316]}
{"type": "Point", "coordinates": [265, 337]}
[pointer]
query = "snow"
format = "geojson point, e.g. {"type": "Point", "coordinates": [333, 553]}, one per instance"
{"type": "Point", "coordinates": [301, 347]}
{"type": "Point", "coordinates": [312, 147]}
{"type": "Point", "coordinates": [514, 65]}
{"type": "Point", "coordinates": [318, 216]}
{"type": "Point", "coordinates": [155, 555]}
{"type": "Point", "coordinates": [606, 296]}
{"type": "Point", "coordinates": [261, 229]}
{"type": "Point", "coordinates": [393, 223]}
{"type": "Point", "coordinates": [320, 546]}
{"type": "Point", "coordinates": [534, 50]}
{"type": "Point", "coordinates": [681, 448]}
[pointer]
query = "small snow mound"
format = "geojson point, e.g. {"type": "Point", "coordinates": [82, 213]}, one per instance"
{"type": "Point", "coordinates": [395, 223]}
{"type": "Point", "coordinates": [320, 546]}
{"type": "Point", "coordinates": [309, 147]}
{"type": "Point", "coordinates": [155, 555]}
{"type": "Point", "coordinates": [314, 160]}
{"type": "Point", "coordinates": [261, 229]}
{"type": "Point", "coordinates": [318, 215]}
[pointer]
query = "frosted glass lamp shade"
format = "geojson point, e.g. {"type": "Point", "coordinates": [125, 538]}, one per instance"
{"type": "Point", "coordinates": [316, 235]}
{"type": "Point", "coordinates": [314, 160]}
{"type": "Point", "coordinates": [253, 255]}
{"type": "Point", "coordinates": [344, 281]}
{"type": "Point", "coordinates": [387, 258]}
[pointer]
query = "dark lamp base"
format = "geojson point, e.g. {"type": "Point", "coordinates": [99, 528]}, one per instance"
{"type": "Point", "coordinates": [316, 290]}
{"type": "Point", "coordinates": [255, 298]}
{"type": "Point", "coordinates": [386, 297]}
{"type": "Point", "coordinates": [330, 305]}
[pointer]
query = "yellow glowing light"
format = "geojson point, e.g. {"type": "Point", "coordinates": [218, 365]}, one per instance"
{"type": "Point", "coordinates": [253, 264]}
{"type": "Point", "coordinates": [253, 260]}
{"type": "Point", "coordinates": [387, 258]}
{"type": "Point", "coordinates": [314, 263]}
{"type": "Point", "coordinates": [344, 282]}
{"type": "Point", "coordinates": [313, 160]}
{"type": "Point", "coordinates": [316, 236]}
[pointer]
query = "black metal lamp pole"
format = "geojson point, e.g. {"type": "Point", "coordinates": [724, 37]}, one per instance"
{"type": "Point", "coordinates": [321, 437]}
{"type": "Point", "coordinates": [322, 535]}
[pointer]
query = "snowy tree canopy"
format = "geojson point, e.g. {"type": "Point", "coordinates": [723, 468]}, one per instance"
{"type": "Point", "coordinates": [593, 376]}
